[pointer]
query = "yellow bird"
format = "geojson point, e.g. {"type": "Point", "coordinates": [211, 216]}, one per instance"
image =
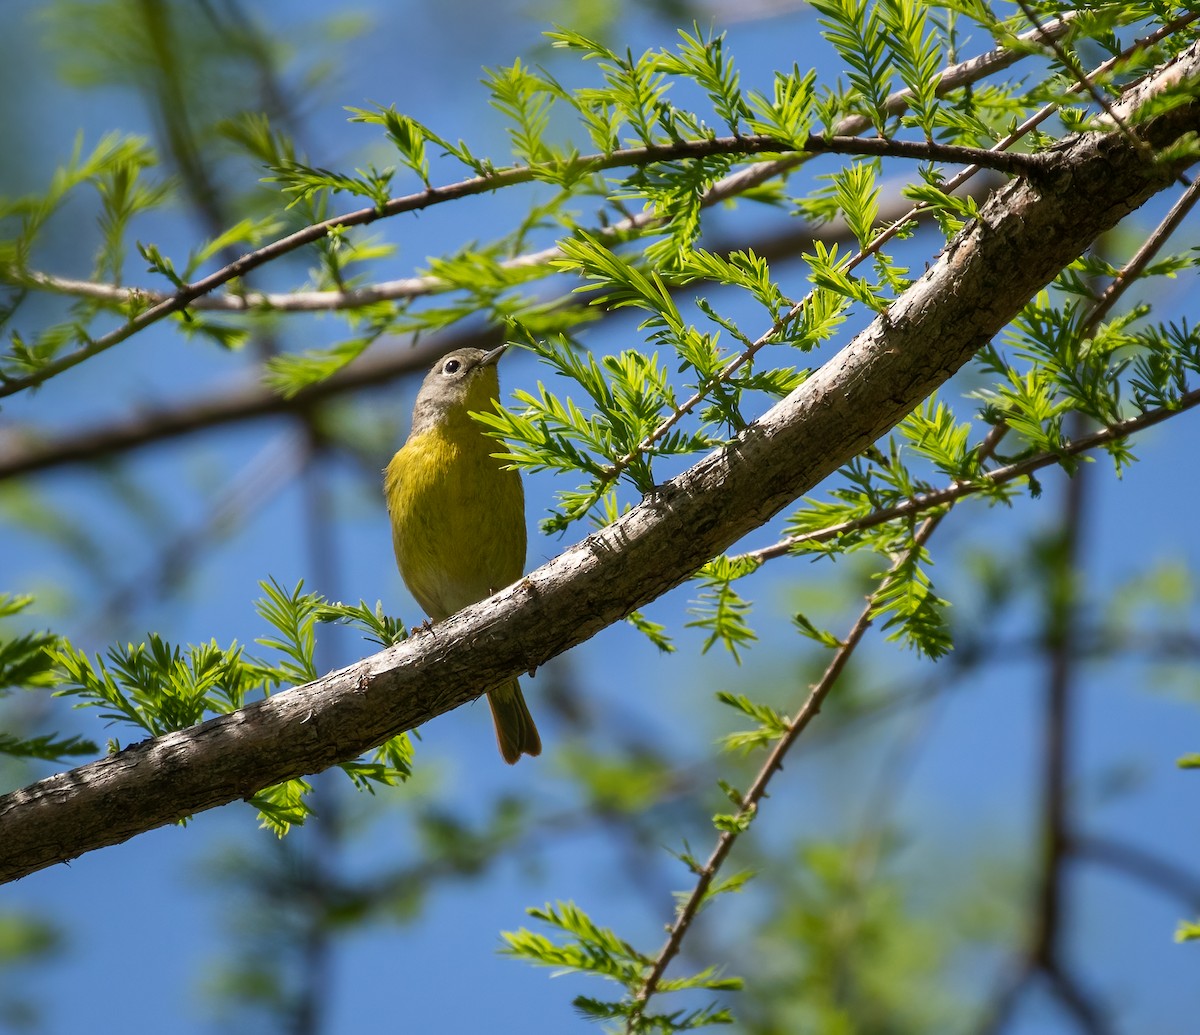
{"type": "Point", "coordinates": [458, 517]}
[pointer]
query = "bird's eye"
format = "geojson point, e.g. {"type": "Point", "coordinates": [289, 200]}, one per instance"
{"type": "Point", "coordinates": [452, 366]}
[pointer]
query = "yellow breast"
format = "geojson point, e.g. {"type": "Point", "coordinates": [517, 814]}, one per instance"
{"type": "Point", "coordinates": [458, 518]}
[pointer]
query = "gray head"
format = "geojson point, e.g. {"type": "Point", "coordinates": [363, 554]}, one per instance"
{"type": "Point", "coordinates": [461, 381]}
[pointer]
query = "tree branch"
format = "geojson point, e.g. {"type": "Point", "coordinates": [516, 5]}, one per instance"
{"type": "Point", "coordinates": [23, 451]}
{"type": "Point", "coordinates": [513, 176]}
{"type": "Point", "coordinates": [1060, 622]}
{"type": "Point", "coordinates": [161, 306]}
{"type": "Point", "coordinates": [1025, 235]}
{"type": "Point", "coordinates": [1138, 864]}
{"type": "Point", "coordinates": [997, 476]}
{"type": "Point", "coordinates": [750, 801]}
{"type": "Point", "coordinates": [954, 77]}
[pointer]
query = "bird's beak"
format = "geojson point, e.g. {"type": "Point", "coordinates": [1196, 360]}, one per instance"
{"type": "Point", "coordinates": [493, 356]}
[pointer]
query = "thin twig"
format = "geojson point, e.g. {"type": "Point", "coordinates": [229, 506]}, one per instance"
{"type": "Point", "coordinates": [26, 450]}
{"type": "Point", "coordinates": [985, 482]}
{"type": "Point", "coordinates": [182, 299]}
{"type": "Point", "coordinates": [746, 811]}
{"type": "Point", "coordinates": [959, 75]}
{"type": "Point", "coordinates": [1180, 884]}
{"type": "Point", "coordinates": [513, 176]}
{"type": "Point", "coordinates": [1010, 163]}
{"type": "Point", "coordinates": [1088, 84]}
{"type": "Point", "coordinates": [614, 470]}
{"type": "Point", "coordinates": [749, 802]}
{"type": "Point", "coordinates": [1141, 258]}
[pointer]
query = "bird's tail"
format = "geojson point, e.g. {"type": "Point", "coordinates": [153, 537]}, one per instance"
{"type": "Point", "coordinates": [515, 732]}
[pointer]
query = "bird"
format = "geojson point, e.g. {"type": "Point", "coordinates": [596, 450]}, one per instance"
{"type": "Point", "coordinates": [458, 514]}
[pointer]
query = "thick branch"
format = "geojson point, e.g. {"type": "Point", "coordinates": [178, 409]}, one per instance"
{"type": "Point", "coordinates": [1025, 235]}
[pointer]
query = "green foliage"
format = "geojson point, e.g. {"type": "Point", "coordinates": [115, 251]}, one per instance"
{"type": "Point", "coordinates": [406, 134]}
{"type": "Point", "coordinates": [914, 613]}
{"type": "Point", "coordinates": [856, 30]}
{"type": "Point", "coordinates": [24, 660]}
{"type": "Point", "coordinates": [846, 951]}
{"type": "Point", "coordinates": [375, 626]}
{"type": "Point", "coordinates": [934, 435]}
{"type": "Point", "coordinates": [788, 113]}
{"type": "Point", "coordinates": [830, 271]}
{"type": "Point", "coordinates": [294, 615]}
{"type": "Point", "coordinates": [702, 59]}
{"type": "Point", "coordinates": [304, 182]}
{"type": "Point", "coordinates": [595, 949]}
{"type": "Point", "coordinates": [634, 96]}
{"type": "Point", "coordinates": [245, 234]}
{"type": "Point", "coordinates": [855, 197]}
{"type": "Point", "coordinates": [283, 806]}
{"type": "Point", "coordinates": [653, 631]}
{"type": "Point", "coordinates": [157, 687]}
{"type": "Point", "coordinates": [49, 747]}
{"type": "Point", "coordinates": [731, 823]}
{"type": "Point", "coordinates": [918, 58]}
{"type": "Point", "coordinates": [588, 948]}
{"type": "Point", "coordinates": [27, 663]}
{"type": "Point", "coordinates": [631, 397]}
{"type": "Point", "coordinates": [951, 210]}
{"type": "Point", "coordinates": [771, 725]}
{"type": "Point", "coordinates": [1166, 358]}
{"type": "Point", "coordinates": [719, 610]}
{"type": "Point", "coordinates": [114, 170]}
{"type": "Point", "coordinates": [525, 100]}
